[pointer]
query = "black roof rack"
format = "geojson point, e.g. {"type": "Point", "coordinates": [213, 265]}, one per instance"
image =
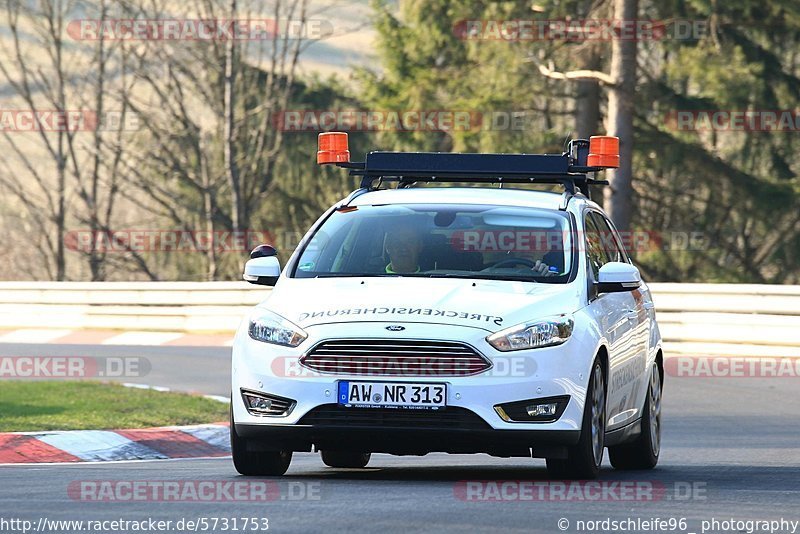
{"type": "Point", "coordinates": [568, 169]}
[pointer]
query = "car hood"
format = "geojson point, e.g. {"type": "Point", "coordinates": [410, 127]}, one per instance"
{"type": "Point", "coordinates": [487, 304]}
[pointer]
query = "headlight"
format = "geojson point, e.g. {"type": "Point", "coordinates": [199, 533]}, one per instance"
{"type": "Point", "coordinates": [533, 335]}
{"type": "Point", "coordinates": [272, 328]}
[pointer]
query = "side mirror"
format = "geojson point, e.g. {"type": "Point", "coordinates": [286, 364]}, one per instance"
{"type": "Point", "coordinates": [263, 251]}
{"type": "Point", "coordinates": [263, 268]}
{"type": "Point", "coordinates": [618, 277]}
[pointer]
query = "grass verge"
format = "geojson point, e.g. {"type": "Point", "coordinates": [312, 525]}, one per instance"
{"type": "Point", "coordinates": [40, 405]}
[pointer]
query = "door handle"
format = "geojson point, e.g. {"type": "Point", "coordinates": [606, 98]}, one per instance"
{"type": "Point", "coordinates": [632, 315]}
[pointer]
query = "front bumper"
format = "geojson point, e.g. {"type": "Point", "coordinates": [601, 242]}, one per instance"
{"type": "Point", "coordinates": [523, 375]}
{"type": "Point", "coordinates": [408, 441]}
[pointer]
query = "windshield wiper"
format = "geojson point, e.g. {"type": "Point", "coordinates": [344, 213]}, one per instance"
{"type": "Point", "coordinates": [506, 277]}
{"type": "Point", "coordinates": [347, 275]}
{"type": "Point", "coordinates": [461, 276]}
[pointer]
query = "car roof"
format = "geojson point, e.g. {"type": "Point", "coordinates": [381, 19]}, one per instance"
{"type": "Point", "coordinates": [462, 195]}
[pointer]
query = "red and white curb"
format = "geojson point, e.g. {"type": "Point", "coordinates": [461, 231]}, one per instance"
{"type": "Point", "coordinates": [196, 441]}
{"type": "Point", "coordinates": [159, 443]}
{"type": "Point", "coordinates": [109, 337]}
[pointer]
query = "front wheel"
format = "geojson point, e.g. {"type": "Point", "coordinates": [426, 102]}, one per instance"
{"type": "Point", "coordinates": [256, 463]}
{"type": "Point", "coordinates": [345, 459]}
{"type": "Point", "coordinates": [584, 459]}
{"type": "Point", "coordinates": [643, 452]}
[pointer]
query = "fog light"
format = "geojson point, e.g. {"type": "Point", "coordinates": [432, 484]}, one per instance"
{"type": "Point", "coordinates": [264, 404]}
{"type": "Point", "coordinates": [539, 410]}
{"type": "Point", "coordinates": [543, 410]}
{"type": "Point", "coordinates": [260, 404]}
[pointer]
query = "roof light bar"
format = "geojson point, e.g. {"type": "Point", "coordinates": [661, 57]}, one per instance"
{"type": "Point", "coordinates": [333, 147]}
{"type": "Point", "coordinates": [603, 151]}
{"type": "Point", "coordinates": [568, 169]}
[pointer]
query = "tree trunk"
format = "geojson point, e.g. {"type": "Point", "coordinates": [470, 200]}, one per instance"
{"type": "Point", "coordinates": [61, 264]}
{"type": "Point", "coordinates": [61, 158]}
{"type": "Point", "coordinates": [587, 102]}
{"type": "Point", "coordinates": [587, 105]}
{"type": "Point", "coordinates": [93, 203]}
{"type": "Point", "coordinates": [208, 209]}
{"type": "Point", "coordinates": [229, 152]}
{"type": "Point", "coordinates": [619, 196]}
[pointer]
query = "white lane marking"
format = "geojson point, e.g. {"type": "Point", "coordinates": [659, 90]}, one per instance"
{"type": "Point", "coordinates": [99, 445]}
{"type": "Point", "coordinates": [145, 386]}
{"type": "Point", "coordinates": [33, 336]}
{"type": "Point", "coordinates": [218, 398]}
{"type": "Point", "coordinates": [143, 338]}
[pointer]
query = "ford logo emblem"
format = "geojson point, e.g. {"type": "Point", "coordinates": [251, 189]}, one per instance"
{"type": "Point", "coordinates": [395, 328]}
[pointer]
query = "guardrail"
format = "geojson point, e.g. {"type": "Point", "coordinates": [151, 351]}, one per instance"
{"type": "Point", "coordinates": [196, 307]}
{"type": "Point", "coordinates": [727, 319]}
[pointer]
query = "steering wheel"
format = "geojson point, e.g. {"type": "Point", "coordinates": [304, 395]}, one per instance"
{"type": "Point", "coordinates": [513, 261]}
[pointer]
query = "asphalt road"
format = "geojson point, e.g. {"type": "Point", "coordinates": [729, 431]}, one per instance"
{"type": "Point", "coordinates": [730, 451]}
{"type": "Point", "coordinates": [201, 369]}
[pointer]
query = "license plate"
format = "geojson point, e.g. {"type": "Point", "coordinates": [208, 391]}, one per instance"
{"type": "Point", "coordinates": [392, 395]}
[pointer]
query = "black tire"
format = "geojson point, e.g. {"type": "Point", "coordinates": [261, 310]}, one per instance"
{"type": "Point", "coordinates": [643, 452]}
{"type": "Point", "coordinates": [256, 463]}
{"type": "Point", "coordinates": [584, 459]}
{"type": "Point", "coordinates": [349, 459]}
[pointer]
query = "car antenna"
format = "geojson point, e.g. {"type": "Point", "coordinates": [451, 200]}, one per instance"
{"type": "Point", "coordinates": [567, 140]}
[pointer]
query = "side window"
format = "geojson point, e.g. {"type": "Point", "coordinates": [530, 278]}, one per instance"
{"type": "Point", "coordinates": [595, 253]}
{"type": "Point", "coordinates": [621, 243]}
{"type": "Point", "coordinates": [608, 238]}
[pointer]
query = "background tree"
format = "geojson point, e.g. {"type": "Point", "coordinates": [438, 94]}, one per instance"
{"type": "Point", "coordinates": [721, 187]}
{"type": "Point", "coordinates": [210, 152]}
{"type": "Point", "coordinates": [44, 169]}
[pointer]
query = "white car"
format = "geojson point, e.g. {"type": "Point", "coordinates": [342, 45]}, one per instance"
{"type": "Point", "coordinates": [472, 319]}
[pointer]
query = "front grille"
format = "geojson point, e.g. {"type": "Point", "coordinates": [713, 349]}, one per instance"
{"type": "Point", "coordinates": [384, 357]}
{"type": "Point", "coordinates": [450, 418]}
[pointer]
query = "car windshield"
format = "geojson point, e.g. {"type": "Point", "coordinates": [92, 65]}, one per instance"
{"type": "Point", "coordinates": [423, 240]}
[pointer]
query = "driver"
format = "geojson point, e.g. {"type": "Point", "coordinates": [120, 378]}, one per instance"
{"type": "Point", "coordinates": [539, 267]}
{"type": "Point", "coordinates": [551, 264]}
{"type": "Point", "coordinates": [542, 269]}
{"type": "Point", "coordinates": [403, 246]}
